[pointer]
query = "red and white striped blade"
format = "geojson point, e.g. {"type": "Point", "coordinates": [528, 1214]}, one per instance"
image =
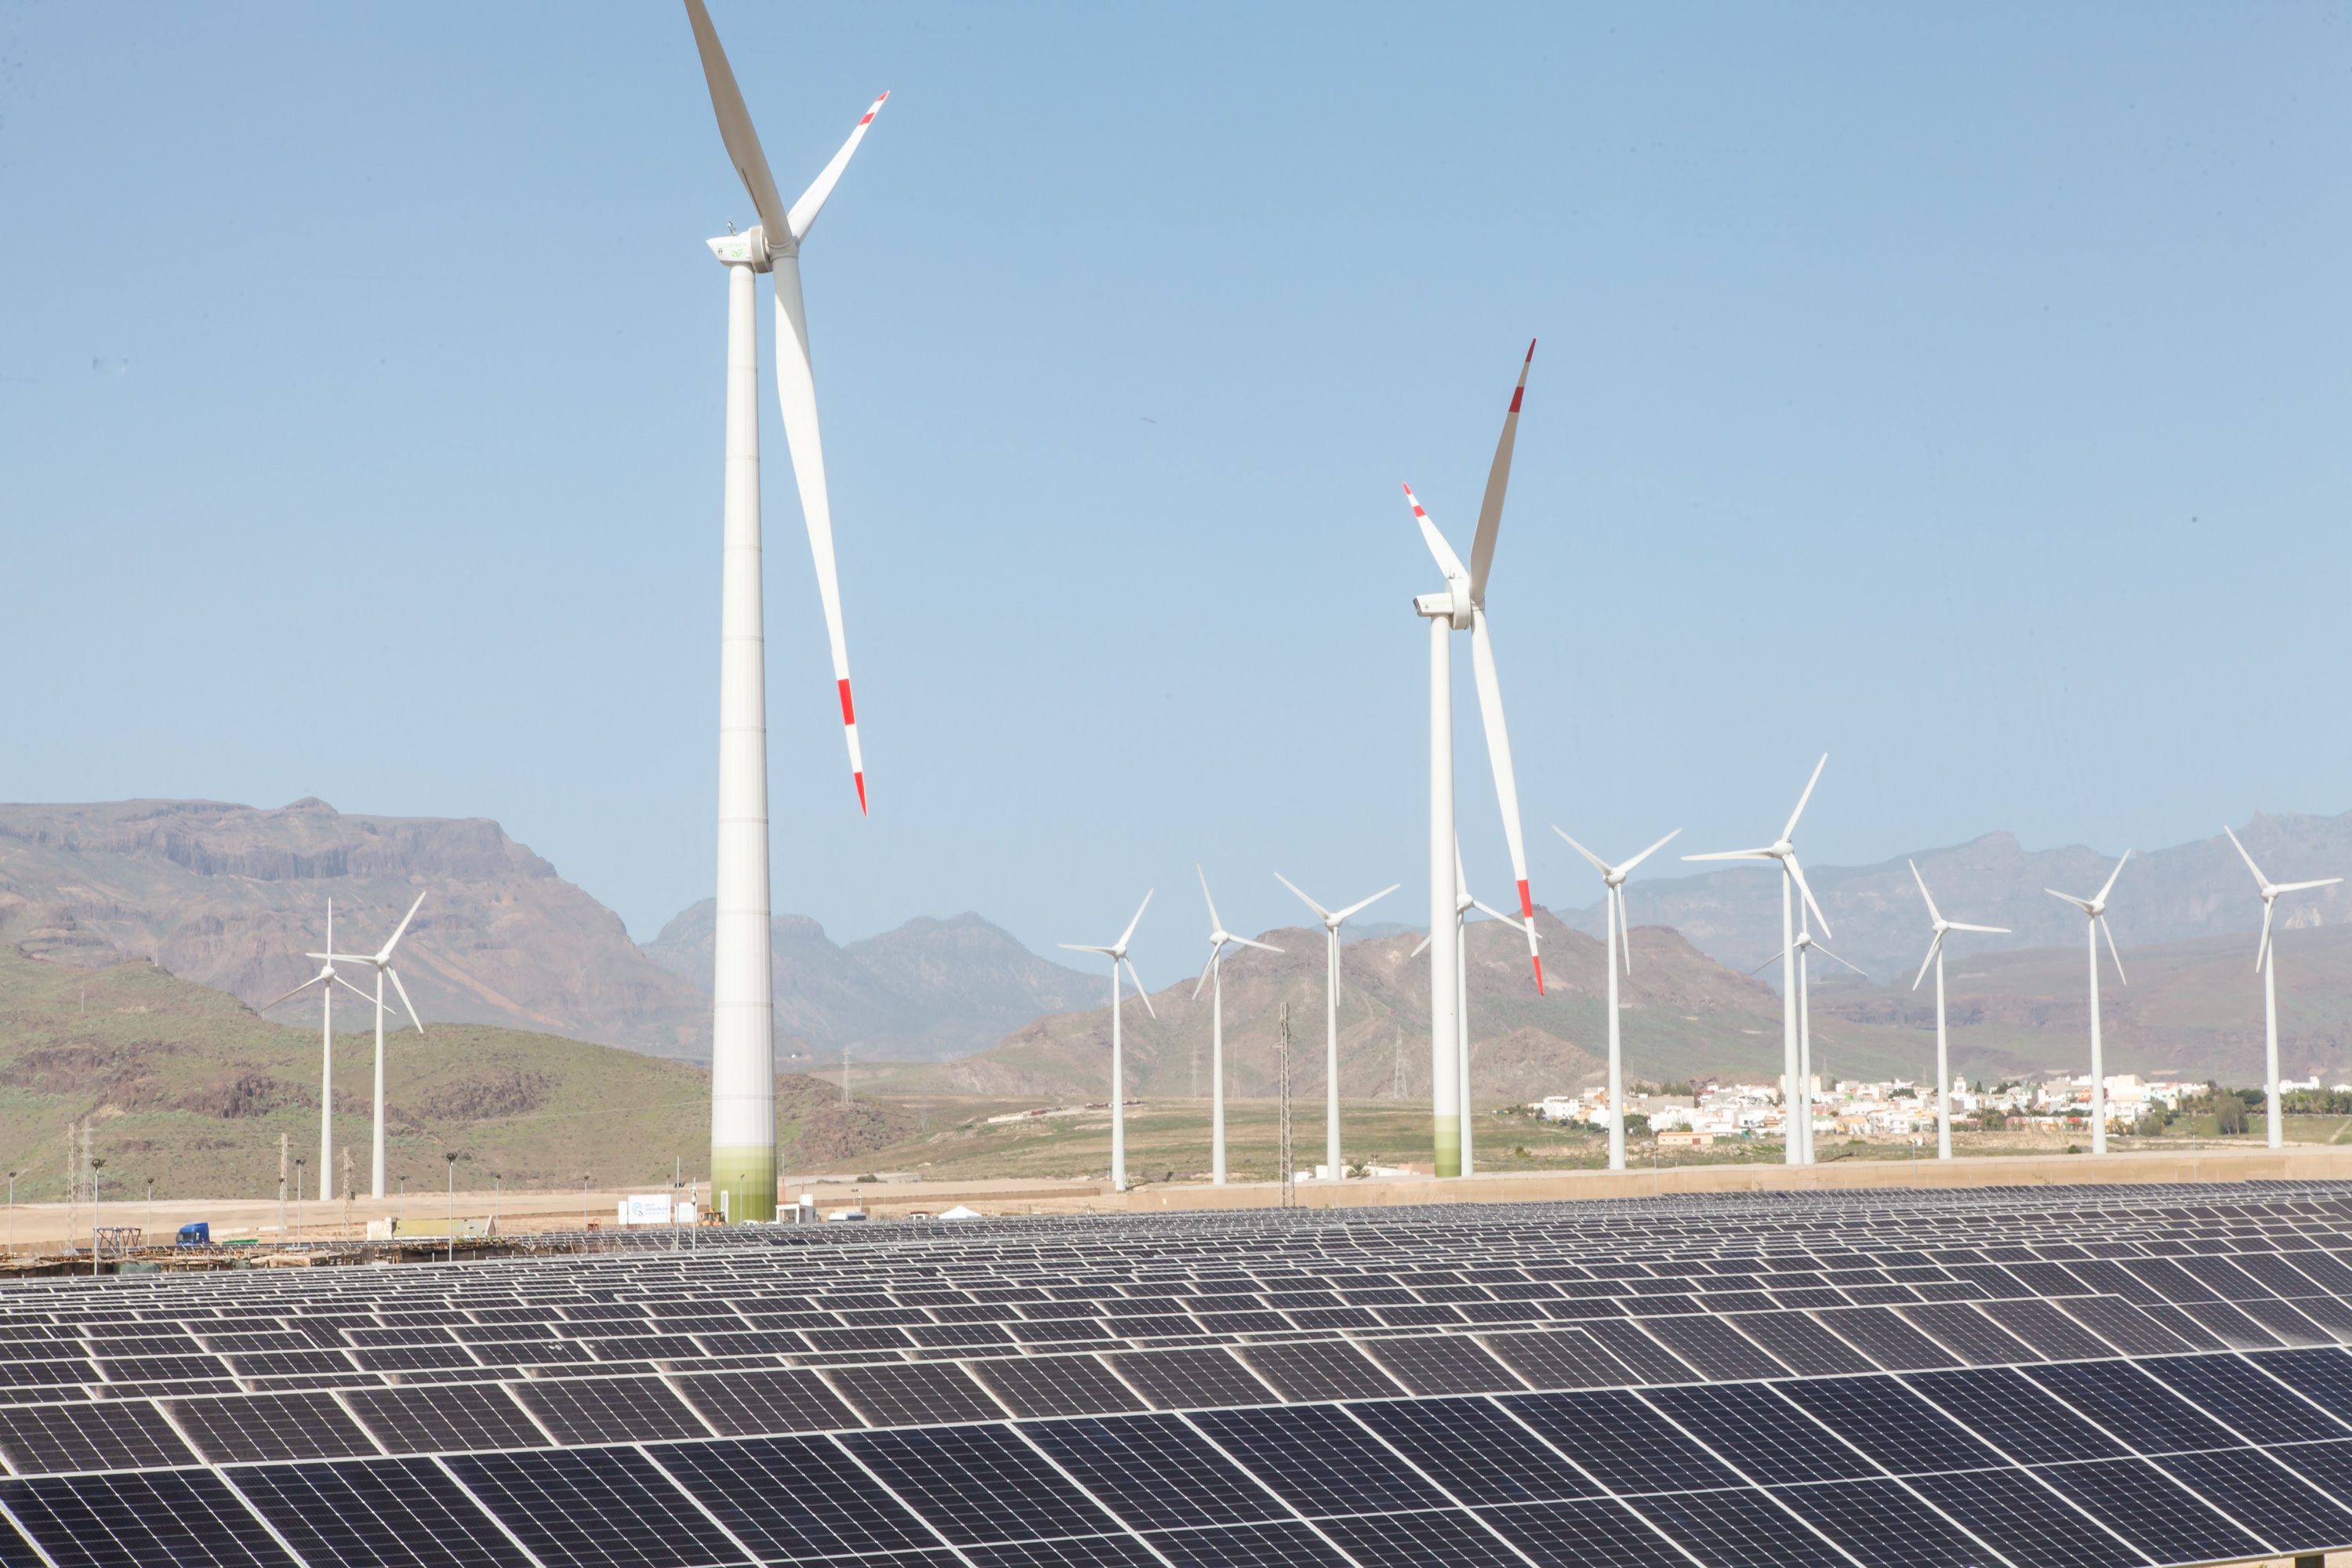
{"type": "Point", "coordinates": [802, 217]}
{"type": "Point", "coordinates": [796, 393]}
{"type": "Point", "coordinates": [1498, 479]}
{"type": "Point", "coordinates": [1447, 561]}
{"type": "Point", "coordinates": [1507, 787]}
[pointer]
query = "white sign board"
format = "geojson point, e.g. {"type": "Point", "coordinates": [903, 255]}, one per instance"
{"type": "Point", "coordinates": [646, 1208]}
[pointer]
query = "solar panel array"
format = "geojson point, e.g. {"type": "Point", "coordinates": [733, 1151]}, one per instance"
{"type": "Point", "coordinates": [2147, 1375]}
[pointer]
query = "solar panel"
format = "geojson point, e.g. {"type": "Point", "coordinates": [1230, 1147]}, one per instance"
{"type": "Point", "coordinates": [2265, 1497]}
{"type": "Point", "coordinates": [602, 1507]}
{"type": "Point", "coordinates": [2039, 1524]}
{"type": "Point", "coordinates": [609, 1410]}
{"type": "Point", "coordinates": [187, 1518]}
{"type": "Point", "coordinates": [1600, 1533]}
{"type": "Point", "coordinates": [270, 1427]}
{"type": "Point", "coordinates": [383, 1513]}
{"type": "Point", "coordinates": [740, 1404]}
{"type": "Point", "coordinates": [1896, 1427]}
{"type": "Point", "coordinates": [1887, 1338]}
{"type": "Point", "coordinates": [1055, 1385]}
{"type": "Point", "coordinates": [1448, 1364]}
{"type": "Point", "coordinates": [1155, 1472]}
{"type": "Point", "coordinates": [1320, 1369]}
{"type": "Point", "coordinates": [1801, 1344]}
{"type": "Point", "coordinates": [1562, 1359]}
{"type": "Point", "coordinates": [2017, 1418]}
{"type": "Point", "coordinates": [1757, 1432]}
{"type": "Point", "coordinates": [2148, 1508]}
{"type": "Point", "coordinates": [2123, 1325]}
{"type": "Point", "coordinates": [1191, 1379]}
{"type": "Point", "coordinates": [38, 1439]}
{"type": "Point", "coordinates": [1620, 1441]}
{"type": "Point", "coordinates": [1248, 1546]}
{"type": "Point", "coordinates": [1084, 1552]}
{"type": "Point", "coordinates": [1449, 1536]}
{"type": "Point", "coordinates": [2134, 1408]}
{"type": "Point", "coordinates": [978, 1484]}
{"type": "Point", "coordinates": [1883, 1524]}
{"type": "Point", "coordinates": [1742, 1528]}
{"type": "Point", "coordinates": [1318, 1461]}
{"type": "Point", "coordinates": [794, 1499]}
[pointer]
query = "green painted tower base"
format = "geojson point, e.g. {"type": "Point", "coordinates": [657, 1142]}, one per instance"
{"type": "Point", "coordinates": [747, 1176]}
{"type": "Point", "coordinates": [1446, 1135]}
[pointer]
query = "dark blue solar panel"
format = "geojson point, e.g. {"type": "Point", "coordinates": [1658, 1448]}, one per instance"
{"type": "Point", "coordinates": [137, 1521]}
{"type": "Point", "coordinates": [1597, 1533]}
{"type": "Point", "coordinates": [1319, 1460]}
{"type": "Point", "coordinates": [2147, 1508]}
{"type": "Point", "coordinates": [793, 1497]}
{"type": "Point", "coordinates": [1886, 1527]}
{"type": "Point", "coordinates": [2031, 1523]}
{"type": "Point", "coordinates": [1756, 1433]}
{"type": "Point", "coordinates": [1156, 1472]}
{"type": "Point", "coordinates": [978, 1484]}
{"type": "Point", "coordinates": [1628, 1447]}
{"type": "Point", "coordinates": [2265, 1497]}
{"type": "Point", "coordinates": [2019, 1419]}
{"type": "Point", "coordinates": [2133, 1407]}
{"type": "Point", "coordinates": [1447, 1536]}
{"type": "Point", "coordinates": [1886, 1421]}
{"type": "Point", "coordinates": [1249, 1546]}
{"type": "Point", "coordinates": [1739, 1529]}
{"type": "Point", "coordinates": [1475, 1451]}
{"type": "Point", "coordinates": [381, 1513]}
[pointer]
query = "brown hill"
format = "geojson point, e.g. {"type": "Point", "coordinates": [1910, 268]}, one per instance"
{"type": "Point", "coordinates": [1684, 1015]}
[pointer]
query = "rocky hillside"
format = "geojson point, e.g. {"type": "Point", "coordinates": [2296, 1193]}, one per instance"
{"type": "Point", "coordinates": [1683, 1014]}
{"type": "Point", "coordinates": [2165, 895]}
{"type": "Point", "coordinates": [929, 990]}
{"type": "Point", "coordinates": [185, 1085]}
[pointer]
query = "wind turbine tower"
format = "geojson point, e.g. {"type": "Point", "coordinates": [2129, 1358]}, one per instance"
{"type": "Point", "coordinates": [2266, 960]}
{"type": "Point", "coordinates": [380, 962]}
{"type": "Point", "coordinates": [326, 980]}
{"type": "Point", "coordinates": [1943, 1055]}
{"type": "Point", "coordinates": [2095, 912]}
{"type": "Point", "coordinates": [1332, 921]}
{"type": "Point", "coordinates": [743, 1035]}
{"type": "Point", "coordinates": [1212, 974]}
{"type": "Point", "coordinates": [1116, 953]}
{"type": "Point", "coordinates": [1620, 950]}
{"type": "Point", "coordinates": [1461, 607]}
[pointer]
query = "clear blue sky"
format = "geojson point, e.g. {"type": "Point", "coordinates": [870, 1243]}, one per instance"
{"type": "Point", "coordinates": [1962, 393]}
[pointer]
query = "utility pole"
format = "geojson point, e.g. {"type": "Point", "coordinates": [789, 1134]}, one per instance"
{"type": "Point", "coordinates": [348, 1192]}
{"type": "Point", "coordinates": [299, 1163]}
{"type": "Point", "coordinates": [845, 1075]}
{"type": "Point", "coordinates": [96, 1172]}
{"type": "Point", "coordinates": [1284, 1162]}
{"type": "Point", "coordinates": [451, 1156]}
{"type": "Point", "coordinates": [281, 1189]}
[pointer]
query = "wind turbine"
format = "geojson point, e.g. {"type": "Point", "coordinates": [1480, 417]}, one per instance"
{"type": "Point", "coordinates": [2096, 911]}
{"type": "Point", "coordinates": [1613, 899]}
{"type": "Point", "coordinates": [1805, 947]}
{"type": "Point", "coordinates": [1463, 607]}
{"type": "Point", "coordinates": [1116, 953]}
{"type": "Point", "coordinates": [2266, 960]}
{"type": "Point", "coordinates": [1943, 1058]}
{"type": "Point", "coordinates": [1214, 971]}
{"type": "Point", "coordinates": [743, 1050]}
{"type": "Point", "coordinates": [325, 979]}
{"type": "Point", "coordinates": [1331, 923]}
{"type": "Point", "coordinates": [1798, 1098]}
{"type": "Point", "coordinates": [1463, 903]}
{"type": "Point", "coordinates": [380, 960]}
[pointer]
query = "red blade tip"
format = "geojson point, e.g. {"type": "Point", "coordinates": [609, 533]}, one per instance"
{"type": "Point", "coordinates": [861, 794]}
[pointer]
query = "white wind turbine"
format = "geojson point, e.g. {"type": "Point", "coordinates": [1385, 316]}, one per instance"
{"type": "Point", "coordinates": [1802, 1131]}
{"type": "Point", "coordinates": [1463, 903]}
{"type": "Point", "coordinates": [380, 962]}
{"type": "Point", "coordinates": [2266, 961]}
{"type": "Point", "coordinates": [1613, 899]}
{"type": "Point", "coordinates": [1214, 972]}
{"type": "Point", "coordinates": [1461, 607]}
{"type": "Point", "coordinates": [1943, 1057]}
{"type": "Point", "coordinates": [1116, 953]}
{"type": "Point", "coordinates": [1797, 1098]}
{"type": "Point", "coordinates": [326, 980]}
{"type": "Point", "coordinates": [743, 1052]}
{"type": "Point", "coordinates": [2096, 909]}
{"type": "Point", "coordinates": [1332, 921]}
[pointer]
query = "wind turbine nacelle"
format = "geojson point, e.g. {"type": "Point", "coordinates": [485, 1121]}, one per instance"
{"type": "Point", "coordinates": [749, 248]}
{"type": "Point", "coordinates": [1443, 607]}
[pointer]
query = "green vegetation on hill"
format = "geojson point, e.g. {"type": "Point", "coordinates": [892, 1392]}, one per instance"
{"type": "Point", "coordinates": [185, 1085]}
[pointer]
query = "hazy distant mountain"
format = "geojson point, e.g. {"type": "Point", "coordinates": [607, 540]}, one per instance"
{"type": "Point", "coordinates": [2189, 891]}
{"type": "Point", "coordinates": [928, 989]}
{"type": "Point", "coordinates": [232, 896]}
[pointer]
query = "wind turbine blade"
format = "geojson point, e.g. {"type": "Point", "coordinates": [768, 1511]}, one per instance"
{"type": "Point", "coordinates": [1321, 912]}
{"type": "Point", "coordinates": [414, 1017]}
{"type": "Point", "coordinates": [1732, 855]}
{"type": "Point", "coordinates": [1495, 914]}
{"type": "Point", "coordinates": [1507, 786]}
{"type": "Point", "coordinates": [1498, 479]}
{"type": "Point", "coordinates": [1597, 863]}
{"type": "Point", "coordinates": [1791, 831]}
{"type": "Point", "coordinates": [1645, 854]}
{"type": "Point", "coordinates": [402, 930]}
{"type": "Point", "coordinates": [1362, 904]}
{"type": "Point", "coordinates": [2299, 886]}
{"type": "Point", "coordinates": [1989, 931]}
{"type": "Point", "coordinates": [1805, 888]}
{"type": "Point", "coordinates": [2108, 931]}
{"type": "Point", "coordinates": [1204, 971]}
{"type": "Point", "coordinates": [1769, 961]}
{"type": "Point", "coordinates": [2082, 904]}
{"type": "Point", "coordinates": [1625, 932]}
{"type": "Point", "coordinates": [354, 989]}
{"type": "Point", "coordinates": [1141, 994]}
{"type": "Point", "coordinates": [1825, 952]}
{"type": "Point", "coordinates": [1447, 561]}
{"type": "Point", "coordinates": [1138, 920]}
{"type": "Point", "coordinates": [1214, 924]}
{"type": "Point", "coordinates": [2111, 880]}
{"type": "Point", "coordinates": [2262, 947]}
{"type": "Point", "coordinates": [1932, 949]}
{"type": "Point", "coordinates": [735, 128]}
{"type": "Point", "coordinates": [802, 217]}
{"type": "Point", "coordinates": [796, 394]}
{"type": "Point", "coordinates": [1933, 913]}
{"type": "Point", "coordinates": [1260, 946]}
{"type": "Point", "coordinates": [1081, 947]}
{"type": "Point", "coordinates": [1417, 951]}
{"type": "Point", "coordinates": [2260, 880]}
{"type": "Point", "coordinates": [291, 994]}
